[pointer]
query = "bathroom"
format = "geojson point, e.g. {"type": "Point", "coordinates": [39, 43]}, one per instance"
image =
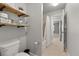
{"type": "Point", "coordinates": [22, 32]}
{"type": "Point", "coordinates": [20, 25]}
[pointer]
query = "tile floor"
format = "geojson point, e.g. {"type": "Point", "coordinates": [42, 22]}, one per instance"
{"type": "Point", "coordinates": [55, 49]}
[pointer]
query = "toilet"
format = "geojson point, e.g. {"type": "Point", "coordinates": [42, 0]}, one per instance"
{"type": "Point", "coordinates": [11, 48]}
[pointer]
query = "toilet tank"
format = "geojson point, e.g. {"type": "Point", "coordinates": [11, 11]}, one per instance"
{"type": "Point", "coordinates": [9, 48]}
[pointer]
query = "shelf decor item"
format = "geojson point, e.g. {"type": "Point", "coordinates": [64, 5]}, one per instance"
{"type": "Point", "coordinates": [20, 21]}
{"type": "Point", "coordinates": [20, 9]}
{"type": "Point", "coordinates": [4, 15]}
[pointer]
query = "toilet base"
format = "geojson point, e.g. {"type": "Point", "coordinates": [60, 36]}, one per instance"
{"type": "Point", "coordinates": [22, 54]}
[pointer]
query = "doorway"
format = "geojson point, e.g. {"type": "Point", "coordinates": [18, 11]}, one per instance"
{"type": "Point", "coordinates": [56, 41]}
{"type": "Point", "coordinates": [54, 44]}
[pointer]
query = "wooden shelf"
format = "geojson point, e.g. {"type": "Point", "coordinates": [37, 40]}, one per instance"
{"type": "Point", "coordinates": [11, 24]}
{"type": "Point", "coordinates": [4, 6]}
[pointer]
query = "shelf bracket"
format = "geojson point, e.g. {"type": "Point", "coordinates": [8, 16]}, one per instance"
{"type": "Point", "coordinates": [19, 26]}
{"type": "Point", "coordinates": [1, 9]}
{"type": "Point", "coordinates": [2, 25]}
{"type": "Point", "coordinates": [20, 15]}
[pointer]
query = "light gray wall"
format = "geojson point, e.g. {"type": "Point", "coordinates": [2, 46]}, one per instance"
{"type": "Point", "coordinates": [55, 13]}
{"type": "Point", "coordinates": [11, 33]}
{"type": "Point", "coordinates": [35, 34]}
{"type": "Point", "coordinates": [73, 28]}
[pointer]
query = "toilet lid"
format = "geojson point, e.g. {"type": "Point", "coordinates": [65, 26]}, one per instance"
{"type": "Point", "coordinates": [22, 54]}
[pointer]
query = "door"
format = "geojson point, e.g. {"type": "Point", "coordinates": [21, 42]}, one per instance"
{"type": "Point", "coordinates": [61, 32]}
{"type": "Point", "coordinates": [56, 27]}
{"type": "Point", "coordinates": [65, 32]}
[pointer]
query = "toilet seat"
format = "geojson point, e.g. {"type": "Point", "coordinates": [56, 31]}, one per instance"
{"type": "Point", "coordinates": [22, 54]}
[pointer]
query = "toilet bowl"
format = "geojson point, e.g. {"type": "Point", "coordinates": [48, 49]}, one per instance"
{"type": "Point", "coordinates": [11, 48]}
{"type": "Point", "coordinates": [22, 54]}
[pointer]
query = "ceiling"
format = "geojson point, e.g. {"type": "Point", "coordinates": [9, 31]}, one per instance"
{"type": "Point", "coordinates": [47, 7]}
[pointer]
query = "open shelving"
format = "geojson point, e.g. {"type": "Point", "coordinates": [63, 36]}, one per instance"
{"type": "Point", "coordinates": [7, 7]}
{"type": "Point", "coordinates": [10, 24]}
